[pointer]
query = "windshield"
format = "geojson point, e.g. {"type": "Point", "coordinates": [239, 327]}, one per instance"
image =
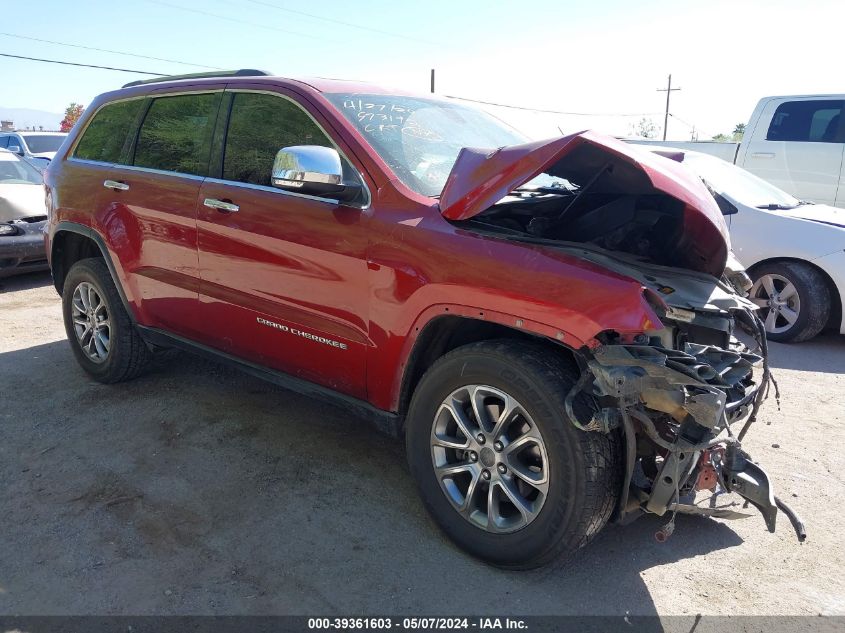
{"type": "Point", "coordinates": [38, 143]}
{"type": "Point", "coordinates": [420, 138]}
{"type": "Point", "coordinates": [14, 171]}
{"type": "Point", "coordinates": [738, 184]}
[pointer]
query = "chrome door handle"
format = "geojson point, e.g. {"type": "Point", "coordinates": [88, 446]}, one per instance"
{"type": "Point", "coordinates": [762, 155]}
{"type": "Point", "coordinates": [115, 185]}
{"type": "Point", "coordinates": [221, 205]}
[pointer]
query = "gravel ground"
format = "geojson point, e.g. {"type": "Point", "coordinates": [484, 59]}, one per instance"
{"type": "Point", "coordinates": [196, 489]}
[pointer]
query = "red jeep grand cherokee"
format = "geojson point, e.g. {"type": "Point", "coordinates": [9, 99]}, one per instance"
{"type": "Point", "coordinates": [543, 322]}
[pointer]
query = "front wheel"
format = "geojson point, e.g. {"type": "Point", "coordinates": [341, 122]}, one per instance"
{"type": "Point", "coordinates": [498, 464]}
{"type": "Point", "coordinates": [794, 300]}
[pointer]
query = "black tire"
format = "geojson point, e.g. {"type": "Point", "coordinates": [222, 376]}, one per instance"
{"type": "Point", "coordinates": [585, 467]}
{"type": "Point", "coordinates": [813, 293]}
{"type": "Point", "coordinates": [128, 355]}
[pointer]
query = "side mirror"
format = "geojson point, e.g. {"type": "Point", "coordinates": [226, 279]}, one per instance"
{"type": "Point", "coordinates": [15, 149]}
{"type": "Point", "coordinates": [313, 170]}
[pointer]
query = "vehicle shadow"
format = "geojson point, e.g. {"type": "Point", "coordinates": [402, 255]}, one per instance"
{"type": "Point", "coordinates": [825, 353]}
{"type": "Point", "coordinates": [25, 281]}
{"type": "Point", "coordinates": [238, 497]}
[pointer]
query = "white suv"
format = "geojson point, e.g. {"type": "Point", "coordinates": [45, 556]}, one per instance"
{"type": "Point", "coordinates": [38, 147]}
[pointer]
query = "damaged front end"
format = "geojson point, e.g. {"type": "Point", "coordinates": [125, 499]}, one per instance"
{"type": "Point", "coordinates": [683, 393]}
{"type": "Point", "coordinates": [684, 410]}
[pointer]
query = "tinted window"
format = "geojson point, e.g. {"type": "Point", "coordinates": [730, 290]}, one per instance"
{"type": "Point", "coordinates": [259, 126]}
{"type": "Point", "coordinates": [109, 132]}
{"type": "Point", "coordinates": [176, 134]}
{"type": "Point", "coordinates": [4, 141]}
{"type": "Point", "coordinates": [808, 121]}
{"type": "Point", "coordinates": [38, 143]}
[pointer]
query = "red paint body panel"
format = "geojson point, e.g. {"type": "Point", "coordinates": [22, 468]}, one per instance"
{"type": "Point", "coordinates": [293, 261]}
{"type": "Point", "coordinates": [370, 279]}
{"type": "Point", "coordinates": [153, 229]}
{"type": "Point", "coordinates": [434, 269]}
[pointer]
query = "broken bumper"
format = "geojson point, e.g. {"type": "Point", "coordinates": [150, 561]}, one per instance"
{"type": "Point", "coordinates": [24, 251]}
{"type": "Point", "coordinates": [684, 405]}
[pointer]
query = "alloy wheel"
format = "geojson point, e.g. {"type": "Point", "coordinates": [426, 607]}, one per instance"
{"type": "Point", "coordinates": [91, 322]}
{"type": "Point", "coordinates": [490, 458]}
{"type": "Point", "coordinates": [778, 299]}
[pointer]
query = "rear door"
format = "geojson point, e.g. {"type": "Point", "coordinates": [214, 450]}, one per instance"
{"type": "Point", "coordinates": [284, 276]}
{"type": "Point", "coordinates": [798, 146]}
{"type": "Point", "coordinates": [150, 202]}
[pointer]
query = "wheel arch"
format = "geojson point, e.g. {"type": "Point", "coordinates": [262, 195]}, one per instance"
{"type": "Point", "coordinates": [72, 242]}
{"type": "Point", "coordinates": [835, 317]}
{"type": "Point", "coordinates": [446, 332]}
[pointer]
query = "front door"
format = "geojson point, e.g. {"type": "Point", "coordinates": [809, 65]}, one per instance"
{"type": "Point", "coordinates": [284, 276]}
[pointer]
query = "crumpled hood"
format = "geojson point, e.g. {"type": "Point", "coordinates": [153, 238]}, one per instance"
{"type": "Point", "coordinates": [21, 201]}
{"type": "Point", "coordinates": [482, 177]}
{"type": "Point", "coordinates": [817, 213]}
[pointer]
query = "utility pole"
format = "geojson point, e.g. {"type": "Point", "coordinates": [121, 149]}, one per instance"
{"type": "Point", "coordinates": [668, 90]}
{"type": "Point", "coordinates": [432, 81]}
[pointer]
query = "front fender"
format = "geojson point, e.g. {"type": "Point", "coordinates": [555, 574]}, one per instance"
{"type": "Point", "coordinates": [559, 324]}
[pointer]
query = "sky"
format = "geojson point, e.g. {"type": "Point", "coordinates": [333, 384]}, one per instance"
{"type": "Point", "coordinates": [604, 59]}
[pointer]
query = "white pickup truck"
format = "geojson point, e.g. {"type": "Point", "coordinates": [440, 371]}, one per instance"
{"type": "Point", "coordinates": [796, 143]}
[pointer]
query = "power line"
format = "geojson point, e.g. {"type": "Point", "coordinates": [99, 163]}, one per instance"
{"type": "Point", "coordinates": [342, 22]}
{"type": "Point", "coordinates": [692, 126]}
{"type": "Point", "coordinates": [515, 107]}
{"type": "Point", "coordinates": [106, 50]}
{"type": "Point", "coordinates": [56, 61]}
{"type": "Point", "coordinates": [501, 105]}
{"type": "Point", "coordinates": [236, 20]}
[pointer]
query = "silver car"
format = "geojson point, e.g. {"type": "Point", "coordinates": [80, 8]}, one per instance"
{"type": "Point", "coordinates": [23, 215]}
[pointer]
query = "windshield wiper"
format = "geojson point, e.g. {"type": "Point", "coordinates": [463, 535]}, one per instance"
{"type": "Point", "coordinates": [557, 191]}
{"type": "Point", "coordinates": [772, 206]}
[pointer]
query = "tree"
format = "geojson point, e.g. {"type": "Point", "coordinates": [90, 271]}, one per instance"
{"type": "Point", "coordinates": [722, 138]}
{"type": "Point", "coordinates": [72, 114]}
{"type": "Point", "coordinates": [739, 130]}
{"type": "Point", "coordinates": [645, 128]}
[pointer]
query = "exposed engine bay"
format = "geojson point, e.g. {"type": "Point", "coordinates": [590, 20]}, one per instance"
{"type": "Point", "coordinates": [592, 197]}
{"type": "Point", "coordinates": [685, 394]}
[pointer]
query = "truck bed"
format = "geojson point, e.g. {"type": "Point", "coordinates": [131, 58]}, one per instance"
{"type": "Point", "coordinates": [725, 151]}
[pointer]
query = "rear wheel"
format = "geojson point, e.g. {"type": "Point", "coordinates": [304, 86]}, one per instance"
{"type": "Point", "coordinates": [499, 466]}
{"type": "Point", "coordinates": [103, 338]}
{"type": "Point", "coordinates": [794, 300]}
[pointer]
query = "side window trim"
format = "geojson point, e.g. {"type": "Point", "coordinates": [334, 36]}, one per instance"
{"type": "Point", "coordinates": [218, 178]}
{"type": "Point", "coordinates": [218, 139]}
{"type": "Point", "coordinates": [839, 136]}
{"type": "Point", "coordinates": [127, 154]}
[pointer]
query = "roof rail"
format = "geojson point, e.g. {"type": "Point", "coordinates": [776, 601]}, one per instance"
{"type": "Point", "coordinates": [243, 72]}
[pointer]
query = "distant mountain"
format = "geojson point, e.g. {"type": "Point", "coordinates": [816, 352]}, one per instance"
{"type": "Point", "coordinates": [25, 118]}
